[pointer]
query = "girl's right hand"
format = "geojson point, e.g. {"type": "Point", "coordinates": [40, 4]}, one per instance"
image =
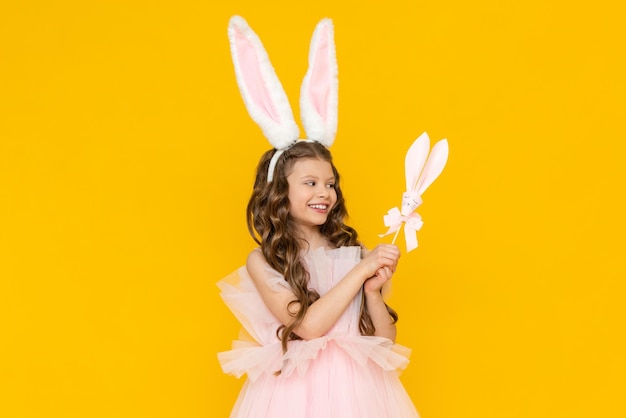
{"type": "Point", "coordinates": [383, 255]}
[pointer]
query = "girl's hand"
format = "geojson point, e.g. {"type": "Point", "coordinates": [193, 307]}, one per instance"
{"type": "Point", "coordinates": [384, 255]}
{"type": "Point", "coordinates": [375, 283]}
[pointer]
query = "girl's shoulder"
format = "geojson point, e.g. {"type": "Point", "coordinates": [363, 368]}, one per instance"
{"type": "Point", "coordinates": [262, 274]}
{"type": "Point", "coordinates": [256, 258]}
{"type": "Point", "coordinates": [257, 264]}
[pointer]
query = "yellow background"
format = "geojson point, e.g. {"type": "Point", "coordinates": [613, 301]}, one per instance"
{"type": "Point", "coordinates": [127, 157]}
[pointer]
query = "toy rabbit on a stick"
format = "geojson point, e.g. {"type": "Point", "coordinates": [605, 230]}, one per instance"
{"type": "Point", "coordinates": [421, 169]}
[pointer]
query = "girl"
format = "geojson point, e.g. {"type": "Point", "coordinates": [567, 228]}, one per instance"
{"type": "Point", "coordinates": [319, 338]}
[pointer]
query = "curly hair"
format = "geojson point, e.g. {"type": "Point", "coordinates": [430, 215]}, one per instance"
{"type": "Point", "coordinates": [272, 227]}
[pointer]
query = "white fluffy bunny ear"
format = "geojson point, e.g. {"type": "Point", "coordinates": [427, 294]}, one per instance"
{"type": "Point", "coordinates": [318, 95]}
{"type": "Point", "coordinates": [420, 173]}
{"type": "Point", "coordinates": [260, 88]}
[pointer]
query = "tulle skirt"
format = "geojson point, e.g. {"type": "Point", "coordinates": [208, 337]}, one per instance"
{"type": "Point", "coordinates": [334, 383]}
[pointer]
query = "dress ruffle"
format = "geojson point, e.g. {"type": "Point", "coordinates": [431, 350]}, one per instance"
{"type": "Point", "coordinates": [248, 357]}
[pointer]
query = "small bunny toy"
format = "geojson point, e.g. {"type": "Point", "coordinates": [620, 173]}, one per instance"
{"type": "Point", "coordinates": [420, 171]}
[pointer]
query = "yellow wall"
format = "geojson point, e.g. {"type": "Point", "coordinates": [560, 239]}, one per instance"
{"type": "Point", "coordinates": [126, 160]}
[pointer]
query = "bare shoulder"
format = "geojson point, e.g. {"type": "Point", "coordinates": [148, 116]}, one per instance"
{"type": "Point", "coordinates": [261, 272]}
{"type": "Point", "coordinates": [256, 261]}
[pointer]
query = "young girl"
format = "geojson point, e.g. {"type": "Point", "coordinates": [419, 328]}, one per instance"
{"type": "Point", "coordinates": [320, 338]}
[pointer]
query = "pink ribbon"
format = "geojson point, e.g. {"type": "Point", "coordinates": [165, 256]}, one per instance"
{"type": "Point", "coordinates": [413, 223]}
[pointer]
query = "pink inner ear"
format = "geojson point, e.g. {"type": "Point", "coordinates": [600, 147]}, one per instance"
{"type": "Point", "coordinates": [319, 85]}
{"type": "Point", "coordinates": [249, 66]}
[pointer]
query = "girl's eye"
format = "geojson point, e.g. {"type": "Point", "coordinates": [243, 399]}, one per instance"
{"type": "Point", "coordinates": [330, 186]}
{"type": "Point", "coordinates": [310, 183]}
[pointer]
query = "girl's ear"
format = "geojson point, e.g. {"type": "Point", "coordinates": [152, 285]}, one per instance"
{"type": "Point", "coordinates": [260, 88]}
{"type": "Point", "coordinates": [415, 159]}
{"type": "Point", "coordinates": [318, 95]}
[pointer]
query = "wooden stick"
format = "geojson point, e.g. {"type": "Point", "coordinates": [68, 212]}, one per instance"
{"type": "Point", "coordinates": [396, 236]}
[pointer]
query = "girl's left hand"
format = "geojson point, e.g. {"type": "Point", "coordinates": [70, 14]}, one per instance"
{"type": "Point", "coordinates": [376, 282]}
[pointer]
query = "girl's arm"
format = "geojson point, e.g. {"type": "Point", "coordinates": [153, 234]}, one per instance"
{"type": "Point", "coordinates": [324, 312]}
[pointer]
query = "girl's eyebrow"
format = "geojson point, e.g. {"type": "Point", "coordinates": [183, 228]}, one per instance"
{"type": "Point", "coordinates": [311, 176]}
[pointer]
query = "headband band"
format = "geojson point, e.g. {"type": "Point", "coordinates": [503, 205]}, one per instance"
{"type": "Point", "coordinates": [276, 156]}
{"type": "Point", "coordinates": [273, 161]}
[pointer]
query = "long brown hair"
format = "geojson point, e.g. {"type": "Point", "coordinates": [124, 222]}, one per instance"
{"type": "Point", "coordinates": [272, 227]}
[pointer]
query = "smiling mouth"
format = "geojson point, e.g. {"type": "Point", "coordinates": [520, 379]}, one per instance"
{"type": "Point", "coordinates": [320, 207]}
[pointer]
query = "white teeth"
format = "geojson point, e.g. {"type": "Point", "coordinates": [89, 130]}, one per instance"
{"type": "Point", "coordinates": [319, 206]}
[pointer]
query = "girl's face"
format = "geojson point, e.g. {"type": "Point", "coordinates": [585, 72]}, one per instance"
{"type": "Point", "coordinates": [312, 193]}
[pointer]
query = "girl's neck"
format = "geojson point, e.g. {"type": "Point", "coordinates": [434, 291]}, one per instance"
{"type": "Point", "coordinates": [316, 244]}
{"type": "Point", "coordinates": [314, 239]}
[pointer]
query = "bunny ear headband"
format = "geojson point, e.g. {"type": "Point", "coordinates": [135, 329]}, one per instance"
{"type": "Point", "coordinates": [421, 169]}
{"type": "Point", "coordinates": [265, 97]}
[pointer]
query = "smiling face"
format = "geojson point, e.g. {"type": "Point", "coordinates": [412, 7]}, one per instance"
{"type": "Point", "coordinates": [312, 193]}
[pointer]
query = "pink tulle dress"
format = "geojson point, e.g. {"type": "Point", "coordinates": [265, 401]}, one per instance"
{"type": "Point", "coordinates": [342, 374]}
